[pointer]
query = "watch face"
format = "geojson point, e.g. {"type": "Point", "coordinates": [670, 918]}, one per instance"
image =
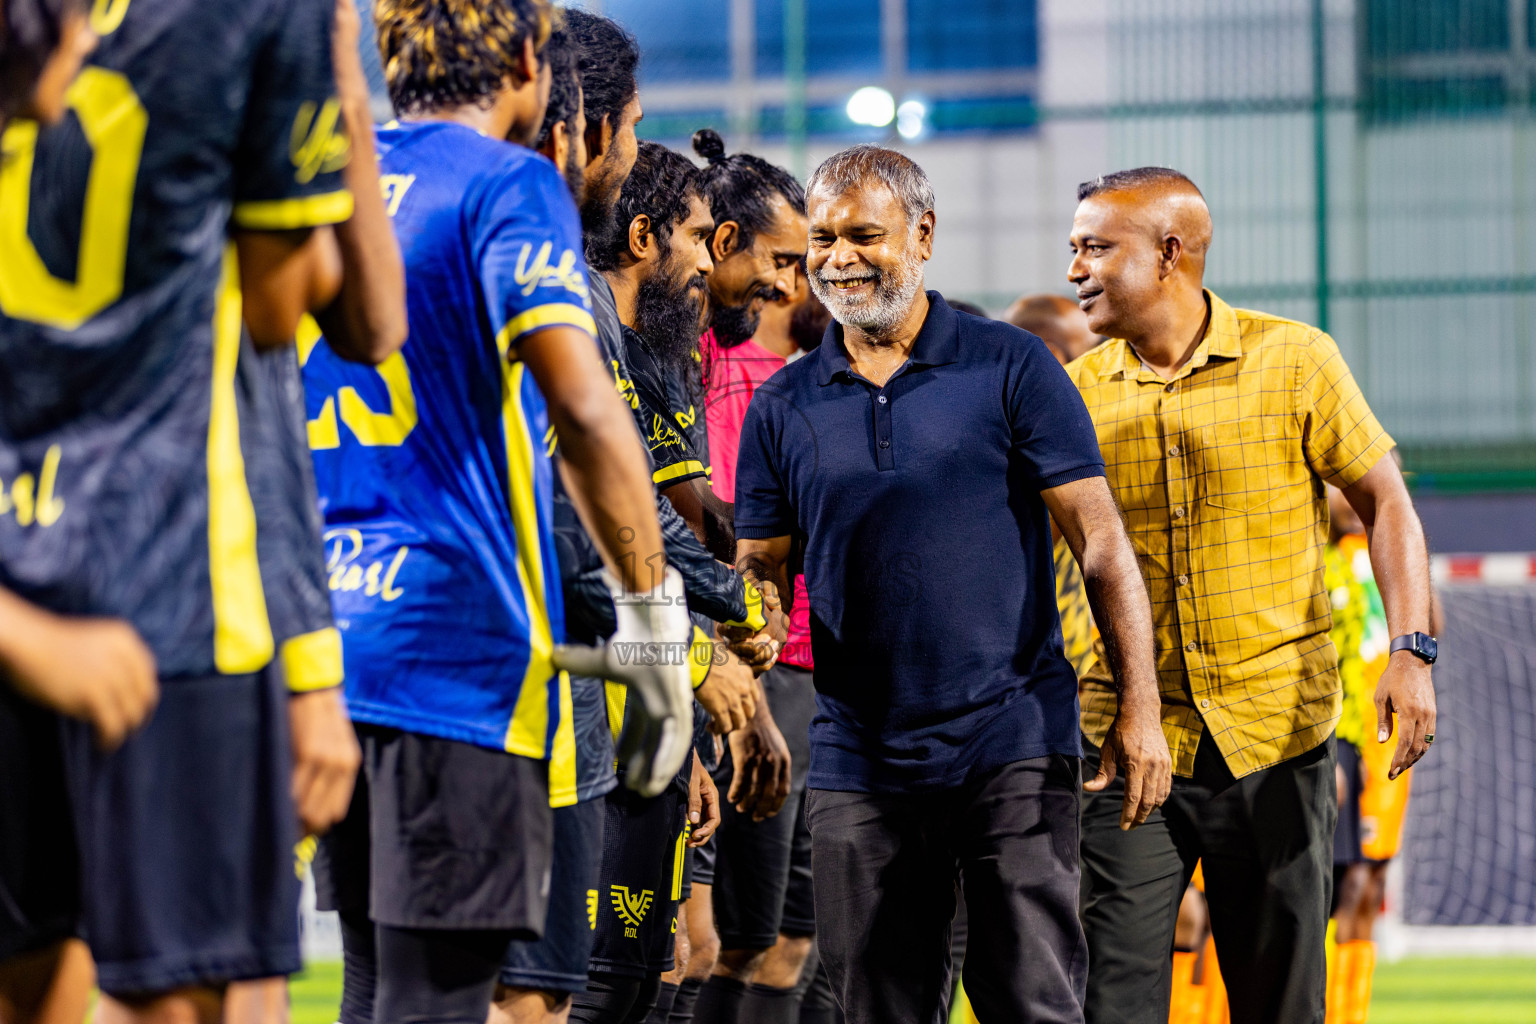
{"type": "Point", "coordinates": [1428, 646]}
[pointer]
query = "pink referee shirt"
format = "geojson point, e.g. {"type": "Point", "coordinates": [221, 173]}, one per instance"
{"type": "Point", "coordinates": [734, 376]}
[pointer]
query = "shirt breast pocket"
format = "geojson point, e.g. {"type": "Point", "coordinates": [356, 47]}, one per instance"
{"type": "Point", "coordinates": [1243, 463]}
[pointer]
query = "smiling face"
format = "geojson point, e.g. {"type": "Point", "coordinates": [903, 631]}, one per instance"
{"type": "Point", "coordinates": [865, 260]}
{"type": "Point", "coordinates": [745, 279]}
{"type": "Point", "coordinates": [1116, 263]}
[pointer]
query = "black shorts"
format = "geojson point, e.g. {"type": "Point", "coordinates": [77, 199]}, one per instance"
{"type": "Point", "coordinates": [39, 862]}
{"type": "Point", "coordinates": [1346, 835]}
{"type": "Point", "coordinates": [754, 858]}
{"type": "Point", "coordinates": [698, 868]}
{"type": "Point", "coordinates": [558, 961]}
{"type": "Point", "coordinates": [441, 835]}
{"type": "Point", "coordinates": [186, 836]}
{"type": "Point", "coordinates": [641, 882]}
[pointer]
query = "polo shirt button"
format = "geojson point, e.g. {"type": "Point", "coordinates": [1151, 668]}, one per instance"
{"type": "Point", "coordinates": [1191, 646]}
{"type": "Point", "coordinates": [1183, 581]}
{"type": "Point", "coordinates": [1170, 386]}
{"type": "Point", "coordinates": [1178, 513]}
{"type": "Point", "coordinates": [884, 443]}
{"type": "Point", "coordinates": [1206, 702]}
{"type": "Point", "coordinates": [882, 399]}
{"type": "Point", "coordinates": [1174, 450]}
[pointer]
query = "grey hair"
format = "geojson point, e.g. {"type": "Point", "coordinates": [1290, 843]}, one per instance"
{"type": "Point", "coordinates": [896, 171]}
{"type": "Point", "coordinates": [1136, 177]}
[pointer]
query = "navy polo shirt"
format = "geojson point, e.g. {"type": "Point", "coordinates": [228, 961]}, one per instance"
{"type": "Point", "coordinates": [928, 548]}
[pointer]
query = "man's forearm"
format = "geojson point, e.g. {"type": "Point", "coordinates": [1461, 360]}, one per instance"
{"type": "Point", "coordinates": [1118, 596]}
{"type": "Point", "coordinates": [1400, 563]}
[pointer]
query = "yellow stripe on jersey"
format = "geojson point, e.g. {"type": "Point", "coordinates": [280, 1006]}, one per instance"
{"type": "Point", "coordinates": [528, 732]}
{"type": "Point", "coordinates": [615, 694]}
{"type": "Point", "coordinates": [676, 470]}
{"type": "Point", "coordinates": [312, 661]}
{"type": "Point", "coordinates": [554, 314]}
{"type": "Point", "coordinates": [562, 761]}
{"type": "Point", "coordinates": [242, 635]}
{"type": "Point", "coordinates": [755, 620]}
{"type": "Point", "coordinates": [292, 214]}
{"type": "Point", "coordinates": [701, 657]}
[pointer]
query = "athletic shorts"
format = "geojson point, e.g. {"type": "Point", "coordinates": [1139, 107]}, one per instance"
{"type": "Point", "coordinates": [1346, 835]}
{"type": "Point", "coordinates": [558, 961]}
{"type": "Point", "coordinates": [186, 836]}
{"type": "Point", "coordinates": [753, 858]}
{"type": "Point", "coordinates": [39, 862]}
{"type": "Point", "coordinates": [1383, 803]}
{"type": "Point", "coordinates": [641, 881]}
{"type": "Point", "coordinates": [441, 835]}
{"type": "Point", "coordinates": [698, 867]}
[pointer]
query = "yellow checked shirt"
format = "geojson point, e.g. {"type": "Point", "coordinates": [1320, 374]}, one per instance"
{"type": "Point", "coordinates": [1219, 473]}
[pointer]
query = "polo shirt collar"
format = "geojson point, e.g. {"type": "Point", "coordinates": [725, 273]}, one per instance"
{"type": "Point", "coordinates": [936, 344]}
{"type": "Point", "coordinates": [1223, 340]}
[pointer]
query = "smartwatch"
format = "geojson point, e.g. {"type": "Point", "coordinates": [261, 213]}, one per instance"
{"type": "Point", "coordinates": [1422, 645]}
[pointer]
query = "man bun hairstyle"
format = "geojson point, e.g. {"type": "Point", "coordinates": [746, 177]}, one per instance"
{"type": "Point", "coordinates": [741, 187]}
{"type": "Point", "coordinates": [659, 188]}
{"type": "Point", "coordinates": [608, 58]}
{"type": "Point", "coordinates": [1135, 177]}
{"type": "Point", "coordinates": [858, 165]}
{"type": "Point", "coordinates": [449, 53]}
{"type": "Point", "coordinates": [709, 145]}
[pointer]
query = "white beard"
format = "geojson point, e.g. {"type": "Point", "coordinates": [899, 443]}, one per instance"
{"type": "Point", "coordinates": [880, 312]}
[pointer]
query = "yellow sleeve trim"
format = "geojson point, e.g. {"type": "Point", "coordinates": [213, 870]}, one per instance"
{"type": "Point", "coordinates": [701, 657]}
{"type": "Point", "coordinates": [290, 214]}
{"type": "Point", "coordinates": [312, 661]}
{"type": "Point", "coordinates": [555, 314]}
{"type": "Point", "coordinates": [755, 620]}
{"type": "Point", "coordinates": [677, 469]}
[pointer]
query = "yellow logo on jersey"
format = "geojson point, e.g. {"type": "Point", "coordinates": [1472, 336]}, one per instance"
{"type": "Point", "coordinates": [539, 272]}
{"type": "Point", "coordinates": [346, 544]}
{"type": "Point", "coordinates": [632, 908]}
{"type": "Point", "coordinates": [592, 909]}
{"type": "Point", "coordinates": [394, 187]}
{"type": "Point", "coordinates": [625, 387]}
{"type": "Point", "coordinates": [661, 434]}
{"type": "Point", "coordinates": [31, 498]}
{"type": "Point", "coordinates": [686, 419]}
{"type": "Point", "coordinates": [315, 144]}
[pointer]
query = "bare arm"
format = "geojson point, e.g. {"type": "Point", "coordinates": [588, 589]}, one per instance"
{"type": "Point", "coordinates": [1085, 513]}
{"type": "Point", "coordinates": [1400, 562]}
{"type": "Point", "coordinates": [366, 322]}
{"type": "Point", "coordinates": [283, 275]}
{"type": "Point", "coordinates": [709, 517]}
{"type": "Point", "coordinates": [605, 465]}
{"type": "Point", "coordinates": [93, 669]}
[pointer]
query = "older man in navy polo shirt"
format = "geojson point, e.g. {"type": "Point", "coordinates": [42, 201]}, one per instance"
{"type": "Point", "coordinates": [919, 455]}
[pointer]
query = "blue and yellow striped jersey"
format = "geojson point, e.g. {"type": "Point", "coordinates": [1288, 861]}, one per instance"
{"type": "Point", "coordinates": [433, 470]}
{"type": "Point", "coordinates": [124, 423]}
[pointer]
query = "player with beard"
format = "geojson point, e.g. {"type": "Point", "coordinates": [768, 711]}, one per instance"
{"type": "Point", "coordinates": [644, 841]}
{"type": "Point", "coordinates": [757, 245]}
{"type": "Point", "coordinates": [759, 212]}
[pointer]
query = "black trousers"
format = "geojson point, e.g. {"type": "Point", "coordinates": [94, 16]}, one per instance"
{"type": "Point", "coordinates": [886, 866]}
{"type": "Point", "coordinates": [1266, 841]}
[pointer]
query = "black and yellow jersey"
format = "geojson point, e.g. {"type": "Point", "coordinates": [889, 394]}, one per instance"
{"type": "Point", "coordinates": [123, 475]}
{"type": "Point", "coordinates": [671, 420]}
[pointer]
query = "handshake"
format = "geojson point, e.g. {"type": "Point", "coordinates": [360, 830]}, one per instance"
{"type": "Point", "coordinates": [719, 670]}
